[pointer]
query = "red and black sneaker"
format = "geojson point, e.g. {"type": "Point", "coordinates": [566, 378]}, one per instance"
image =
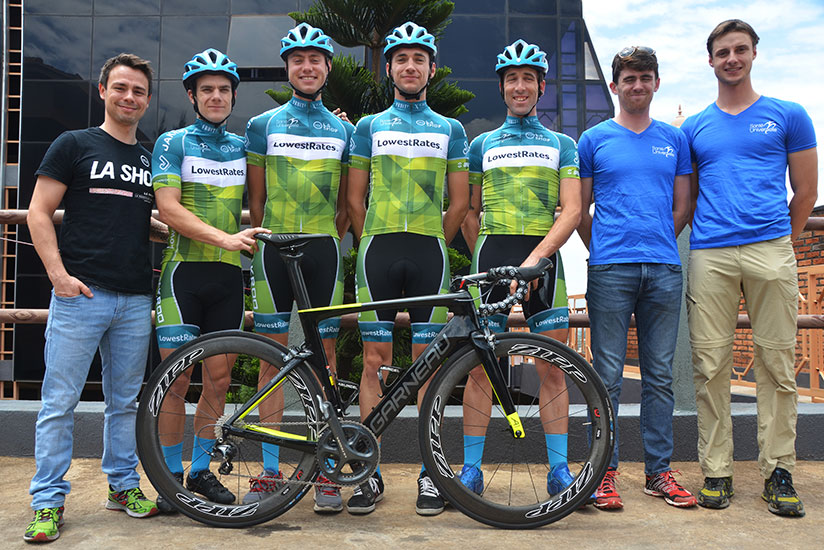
{"type": "Point", "coordinates": [606, 496]}
{"type": "Point", "coordinates": [664, 485]}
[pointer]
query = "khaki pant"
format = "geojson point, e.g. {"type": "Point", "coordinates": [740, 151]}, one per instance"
{"type": "Point", "coordinates": [766, 273]}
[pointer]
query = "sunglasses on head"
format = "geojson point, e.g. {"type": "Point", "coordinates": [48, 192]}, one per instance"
{"type": "Point", "coordinates": [629, 51]}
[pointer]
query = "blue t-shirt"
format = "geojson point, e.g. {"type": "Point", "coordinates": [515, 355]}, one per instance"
{"type": "Point", "coordinates": [742, 166]}
{"type": "Point", "coordinates": [632, 181]}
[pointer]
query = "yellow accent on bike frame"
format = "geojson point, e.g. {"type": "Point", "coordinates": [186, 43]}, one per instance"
{"type": "Point", "coordinates": [513, 419]}
{"type": "Point", "coordinates": [276, 433]}
{"type": "Point", "coordinates": [516, 425]}
{"type": "Point", "coordinates": [262, 397]}
{"type": "Point", "coordinates": [327, 308]}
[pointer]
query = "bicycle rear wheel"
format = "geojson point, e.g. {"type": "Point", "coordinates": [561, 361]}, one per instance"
{"type": "Point", "coordinates": [171, 412]}
{"type": "Point", "coordinates": [514, 492]}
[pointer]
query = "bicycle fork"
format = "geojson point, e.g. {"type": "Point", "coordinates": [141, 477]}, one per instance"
{"type": "Point", "coordinates": [483, 343]}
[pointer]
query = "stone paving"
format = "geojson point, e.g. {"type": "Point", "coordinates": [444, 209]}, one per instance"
{"type": "Point", "coordinates": [644, 523]}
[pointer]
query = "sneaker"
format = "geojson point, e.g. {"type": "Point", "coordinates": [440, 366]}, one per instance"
{"type": "Point", "coordinates": [781, 496]}
{"type": "Point", "coordinates": [163, 506]}
{"type": "Point", "coordinates": [366, 495]}
{"type": "Point", "coordinates": [664, 485]}
{"type": "Point", "coordinates": [260, 486]}
{"type": "Point", "coordinates": [559, 478]}
{"type": "Point", "coordinates": [473, 478]}
{"type": "Point", "coordinates": [430, 501]}
{"type": "Point", "coordinates": [131, 501]}
{"type": "Point", "coordinates": [208, 485]}
{"type": "Point", "coordinates": [606, 496]}
{"type": "Point", "coordinates": [327, 496]}
{"type": "Point", "coordinates": [716, 492]}
{"type": "Point", "coordinates": [45, 527]}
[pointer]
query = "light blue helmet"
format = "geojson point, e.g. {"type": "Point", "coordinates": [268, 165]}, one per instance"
{"type": "Point", "coordinates": [210, 61]}
{"type": "Point", "coordinates": [521, 54]}
{"type": "Point", "coordinates": [305, 36]}
{"type": "Point", "coordinates": [409, 34]}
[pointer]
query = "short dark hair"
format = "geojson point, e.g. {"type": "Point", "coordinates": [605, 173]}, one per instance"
{"type": "Point", "coordinates": [129, 60]}
{"type": "Point", "coordinates": [728, 26]}
{"type": "Point", "coordinates": [637, 61]}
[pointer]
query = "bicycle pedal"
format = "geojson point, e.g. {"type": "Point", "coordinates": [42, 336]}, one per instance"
{"type": "Point", "coordinates": [391, 370]}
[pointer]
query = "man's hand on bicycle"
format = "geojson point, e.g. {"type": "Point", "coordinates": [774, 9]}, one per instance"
{"type": "Point", "coordinates": [244, 240]}
{"type": "Point", "coordinates": [533, 284]}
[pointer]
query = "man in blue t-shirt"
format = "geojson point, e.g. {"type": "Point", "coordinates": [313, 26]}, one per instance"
{"type": "Point", "coordinates": [638, 170]}
{"type": "Point", "coordinates": [742, 235]}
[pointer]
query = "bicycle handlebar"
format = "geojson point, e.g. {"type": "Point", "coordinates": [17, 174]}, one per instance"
{"type": "Point", "coordinates": [524, 275]}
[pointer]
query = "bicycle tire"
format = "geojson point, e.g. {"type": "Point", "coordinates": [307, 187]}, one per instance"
{"type": "Point", "coordinates": [515, 489]}
{"type": "Point", "coordinates": [300, 409]}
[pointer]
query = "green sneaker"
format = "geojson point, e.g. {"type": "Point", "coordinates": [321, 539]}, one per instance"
{"type": "Point", "coordinates": [131, 501]}
{"type": "Point", "coordinates": [781, 496]}
{"type": "Point", "coordinates": [716, 492]}
{"type": "Point", "coordinates": [45, 527]}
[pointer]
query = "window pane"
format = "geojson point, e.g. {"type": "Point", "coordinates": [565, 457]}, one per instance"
{"type": "Point", "coordinates": [57, 48]}
{"type": "Point", "coordinates": [137, 35]}
{"type": "Point", "coordinates": [264, 7]}
{"type": "Point", "coordinates": [59, 7]}
{"type": "Point", "coordinates": [470, 46]}
{"type": "Point", "coordinates": [132, 7]}
{"type": "Point", "coordinates": [185, 36]}
{"type": "Point", "coordinates": [51, 108]}
{"type": "Point", "coordinates": [264, 50]}
{"type": "Point", "coordinates": [204, 7]}
{"type": "Point", "coordinates": [532, 7]}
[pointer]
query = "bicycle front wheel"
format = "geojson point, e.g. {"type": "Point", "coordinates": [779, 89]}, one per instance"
{"type": "Point", "coordinates": [555, 391]}
{"type": "Point", "coordinates": [192, 393]}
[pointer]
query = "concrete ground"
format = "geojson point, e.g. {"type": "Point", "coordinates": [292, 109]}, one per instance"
{"type": "Point", "coordinates": [644, 523]}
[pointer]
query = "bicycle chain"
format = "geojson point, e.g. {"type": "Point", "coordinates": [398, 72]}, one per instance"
{"type": "Point", "coordinates": [219, 435]}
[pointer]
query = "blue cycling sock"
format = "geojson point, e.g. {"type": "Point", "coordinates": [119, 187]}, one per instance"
{"type": "Point", "coordinates": [200, 455]}
{"type": "Point", "coordinates": [474, 449]}
{"type": "Point", "coordinates": [378, 470]}
{"type": "Point", "coordinates": [556, 449]}
{"type": "Point", "coordinates": [271, 457]}
{"type": "Point", "coordinates": [173, 456]}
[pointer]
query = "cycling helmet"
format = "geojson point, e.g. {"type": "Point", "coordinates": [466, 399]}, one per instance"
{"type": "Point", "coordinates": [409, 34]}
{"type": "Point", "coordinates": [210, 61]}
{"type": "Point", "coordinates": [305, 36]}
{"type": "Point", "coordinates": [521, 54]}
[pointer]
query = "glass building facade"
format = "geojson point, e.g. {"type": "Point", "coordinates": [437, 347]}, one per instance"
{"type": "Point", "coordinates": [65, 42]}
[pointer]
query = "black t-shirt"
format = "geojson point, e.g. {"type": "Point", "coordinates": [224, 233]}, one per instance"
{"type": "Point", "coordinates": [104, 238]}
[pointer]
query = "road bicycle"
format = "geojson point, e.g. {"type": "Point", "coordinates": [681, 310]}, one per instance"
{"type": "Point", "coordinates": [303, 410]}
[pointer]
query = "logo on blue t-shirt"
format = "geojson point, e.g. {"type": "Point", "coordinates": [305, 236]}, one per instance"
{"type": "Point", "coordinates": [667, 151]}
{"type": "Point", "coordinates": [764, 127]}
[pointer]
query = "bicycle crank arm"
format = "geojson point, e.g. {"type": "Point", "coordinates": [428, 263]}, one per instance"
{"type": "Point", "coordinates": [345, 451]}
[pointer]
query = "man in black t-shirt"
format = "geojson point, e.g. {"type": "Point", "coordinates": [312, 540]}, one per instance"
{"type": "Point", "coordinates": [102, 280]}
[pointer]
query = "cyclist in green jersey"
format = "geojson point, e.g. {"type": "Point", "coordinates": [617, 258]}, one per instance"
{"type": "Point", "coordinates": [520, 172]}
{"type": "Point", "coordinates": [296, 158]}
{"type": "Point", "coordinates": [198, 174]}
{"type": "Point", "coordinates": [402, 156]}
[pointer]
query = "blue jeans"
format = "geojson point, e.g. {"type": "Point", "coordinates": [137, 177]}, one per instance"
{"type": "Point", "coordinates": [653, 293]}
{"type": "Point", "coordinates": [120, 325]}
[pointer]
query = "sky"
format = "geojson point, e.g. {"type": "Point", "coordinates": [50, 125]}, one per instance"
{"type": "Point", "coordinates": [789, 63]}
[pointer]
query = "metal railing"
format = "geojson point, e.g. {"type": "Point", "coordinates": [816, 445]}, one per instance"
{"type": "Point", "coordinates": [811, 316]}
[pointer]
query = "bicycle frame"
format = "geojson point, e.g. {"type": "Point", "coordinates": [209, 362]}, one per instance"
{"type": "Point", "coordinates": [462, 330]}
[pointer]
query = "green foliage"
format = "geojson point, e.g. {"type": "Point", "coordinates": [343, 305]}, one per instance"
{"type": "Point", "coordinates": [457, 261]}
{"type": "Point", "coordinates": [367, 22]}
{"type": "Point", "coordinates": [358, 90]}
